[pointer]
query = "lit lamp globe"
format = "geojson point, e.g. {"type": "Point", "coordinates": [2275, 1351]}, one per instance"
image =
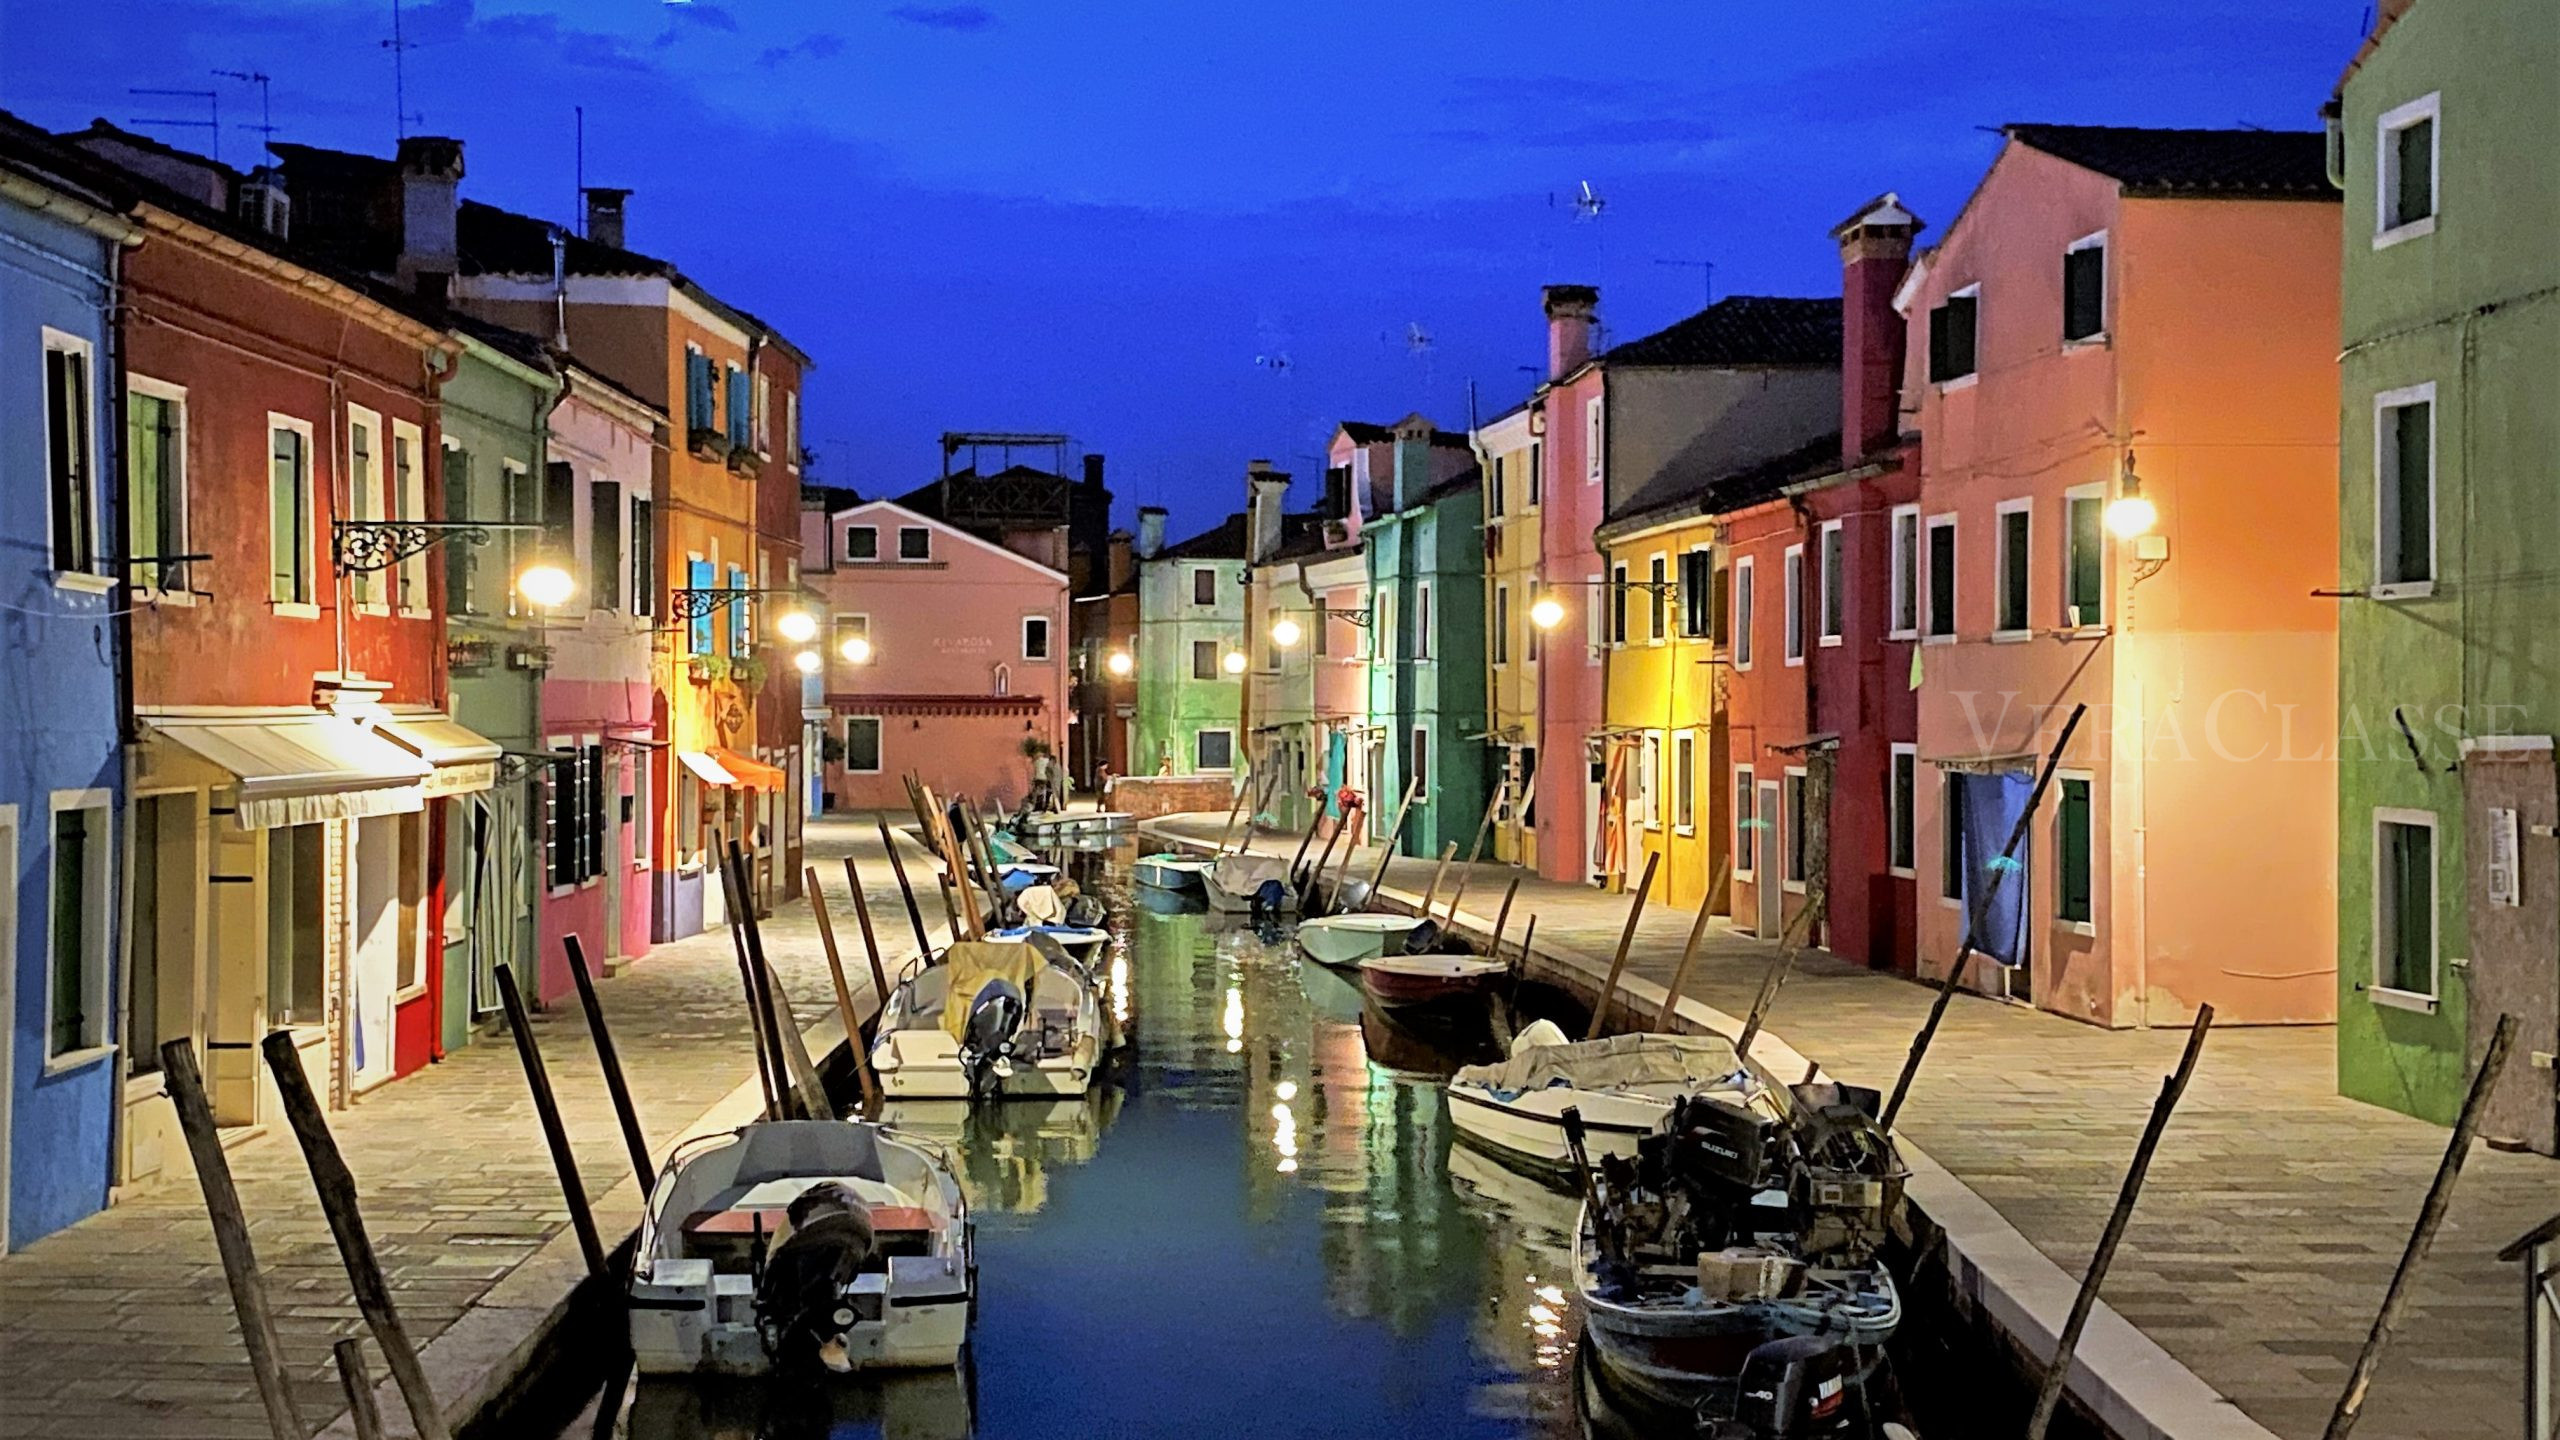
{"type": "Point", "coordinates": [797, 626]}
{"type": "Point", "coordinates": [2130, 515]}
{"type": "Point", "coordinates": [807, 661]}
{"type": "Point", "coordinates": [1235, 662]}
{"type": "Point", "coordinates": [855, 650]}
{"type": "Point", "coordinates": [1285, 633]}
{"type": "Point", "coordinates": [1120, 663]}
{"type": "Point", "coordinates": [1548, 613]}
{"type": "Point", "coordinates": [548, 586]}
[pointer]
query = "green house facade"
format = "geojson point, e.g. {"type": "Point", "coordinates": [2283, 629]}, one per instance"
{"type": "Point", "coordinates": [2449, 638]}
{"type": "Point", "coordinates": [1427, 676]}
{"type": "Point", "coordinates": [1191, 614]}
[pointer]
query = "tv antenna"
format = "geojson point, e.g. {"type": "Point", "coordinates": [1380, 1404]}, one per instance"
{"type": "Point", "coordinates": [1707, 268]}
{"type": "Point", "coordinates": [1588, 204]}
{"type": "Point", "coordinates": [1417, 341]}
{"type": "Point", "coordinates": [212, 99]}
{"type": "Point", "coordinates": [1277, 363]}
{"type": "Point", "coordinates": [399, 47]}
{"type": "Point", "coordinates": [266, 126]}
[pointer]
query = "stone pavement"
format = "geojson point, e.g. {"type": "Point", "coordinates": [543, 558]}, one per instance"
{"type": "Point", "coordinates": [2273, 1214]}
{"type": "Point", "coordinates": [121, 1326]}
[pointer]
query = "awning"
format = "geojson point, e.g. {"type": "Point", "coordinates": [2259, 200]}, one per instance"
{"type": "Point", "coordinates": [300, 769]}
{"type": "Point", "coordinates": [705, 769]}
{"type": "Point", "coordinates": [464, 761]}
{"type": "Point", "coordinates": [1986, 762]}
{"type": "Point", "coordinates": [752, 773]}
{"type": "Point", "coordinates": [1824, 741]}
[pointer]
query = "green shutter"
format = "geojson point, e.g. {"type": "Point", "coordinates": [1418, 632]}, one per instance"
{"type": "Point", "coordinates": [2088, 577]}
{"type": "Point", "coordinates": [2074, 903]}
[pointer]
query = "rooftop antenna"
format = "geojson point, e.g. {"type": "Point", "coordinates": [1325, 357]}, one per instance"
{"type": "Point", "coordinates": [398, 45]}
{"type": "Point", "coordinates": [212, 98]}
{"type": "Point", "coordinates": [1706, 267]}
{"type": "Point", "coordinates": [1588, 204]}
{"type": "Point", "coordinates": [578, 206]}
{"type": "Point", "coordinates": [266, 126]}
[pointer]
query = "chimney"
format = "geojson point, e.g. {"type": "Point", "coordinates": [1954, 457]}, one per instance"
{"type": "Point", "coordinates": [1093, 472]}
{"type": "Point", "coordinates": [1123, 562]}
{"type": "Point", "coordinates": [1571, 312]}
{"type": "Point", "coordinates": [1413, 459]}
{"type": "Point", "coordinates": [430, 202]}
{"type": "Point", "coordinates": [604, 214]}
{"type": "Point", "coordinates": [1266, 498]}
{"type": "Point", "coordinates": [1875, 254]}
{"type": "Point", "coordinates": [1150, 531]}
{"type": "Point", "coordinates": [263, 202]}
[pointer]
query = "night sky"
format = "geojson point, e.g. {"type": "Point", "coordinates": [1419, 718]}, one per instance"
{"type": "Point", "coordinates": [1191, 232]}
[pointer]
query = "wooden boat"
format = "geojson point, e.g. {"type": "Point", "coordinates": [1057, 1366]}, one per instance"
{"type": "Point", "coordinates": [1083, 943]}
{"type": "Point", "coordinates": [1429, 979]}
{"type": "Point", "coordinates": [1346, 940]}
{"type": "Point", "coordinates": [992, 1021]}
{"type": "Point", "coordinates": [1236, 880]}
{"type": "Point", "coordinates": [1623, 1087]}
{"type": "Point", "coordinates": [802, 1245]}
{"type": "Point", "coordinates": [1170, 870]}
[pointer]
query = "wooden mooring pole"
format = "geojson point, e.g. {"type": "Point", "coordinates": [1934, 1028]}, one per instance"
{"type": "Point", "coordinates": [1689, 952]}
{"type": "Point", "coordinates": [1395, 832]}
{"type": "Point", "coordinates": [768, 1056]}
{"type": "Point", "coordinates": [362, 1413]}
{"type": "Point", "coordinates": [1501, 919]}
{"type": "Point", "coordinates": [1475, 855]}
{"type": "Point", "coordinates": [871, 940]}
{"type": "Point", "coordinates": [555, 1135]}
{"type": "Point", "coordinates": [616, 1087]}
{"type": "Point", "coordinates": [2466, 1127]}
{"type": "Point", "coordinates": [231, 1238]}
{"type": "Point", "coordinates": [1790, 945]}
{"type": "Point", "coordinates": [1447, 852]}
{"type": "Point", "coordinates": [337, 1190]}
{"type": "Point", "coordinates": [906, 892]}
{"type": "Point", "coordinates": [2058, 1374]}
{"type": "Point", "coordinates": [1342, 873]}
{"type": "Point", "coordinates": [789, 1043]}
{"type": "Point", "coordinates": [872, 1099]}
{"type": "Point", "coordinates": [1626, 938]}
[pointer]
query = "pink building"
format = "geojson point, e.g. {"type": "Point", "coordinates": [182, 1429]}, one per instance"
{"type": "Point", "coordinates": [1572, 685]}
{"type": "Point", "coordinates": [944, 654]}
{"type": "Point", "coordinates": [596, 699]}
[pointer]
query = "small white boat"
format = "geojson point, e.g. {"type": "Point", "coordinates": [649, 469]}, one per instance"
{"type": "Point", "coordinates": [802, 1244]}
{"type": "Point", "coordinates": [1346, 940]}
{"type": "Point", "coordinates": [1073, 822]}
{"type": "Point", "coordinates": [1428, 979]}
{"type": "Point", "coordinates": [1234, 881]}
{"type": "Point", "coordinates": [1170, 870]}
{"type": "Point", "coordinates": [993, 1020]}
{"type": "Point", "coordinates": [1623, 1086]}
{"type": "Point", "coordinates": [1084, 944]}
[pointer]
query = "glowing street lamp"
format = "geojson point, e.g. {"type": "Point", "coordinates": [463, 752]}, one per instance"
{"type": "Point", "coordinates": [1547, 613]}
{"type": "Point", "coordinates": [1235, 662]}
{"type": "Point", "coordinates": [1285, 633]}
{"type": "Point", "coordinates": [1120, 664]}
{"type": "Point", "coordinates": [548, 586]}
{"type": "Point", "coordinates": [855, 650]}
{"type": "Point", "coordinates": [797, 626]}
{"type": "Point", "coordinates": [807, 661]}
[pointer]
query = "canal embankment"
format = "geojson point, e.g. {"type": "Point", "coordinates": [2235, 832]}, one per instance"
{"type": "Point", "coordinates": [2273, 1217]}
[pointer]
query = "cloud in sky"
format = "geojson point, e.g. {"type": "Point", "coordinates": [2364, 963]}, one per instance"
{"type": "Point", "coordinates": [946, 17]}
{"type": "Point", "coordinates": [710, 17]}
{"type": "Point", "coordinates": [821, 46]}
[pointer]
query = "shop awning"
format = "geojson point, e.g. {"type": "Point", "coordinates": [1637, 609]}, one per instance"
{"type": "Point", "coordinates": [464, 761]}
{"type": "Point", "coordinates": [300, 769]}
{"type": "Point", "coordinates": [705, 769]}
{"type": "Point", "coordinates": [753, 774]}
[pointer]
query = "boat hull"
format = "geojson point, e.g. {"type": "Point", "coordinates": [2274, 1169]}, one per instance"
{"type": "Point", "coordinates": [1527, 1131]}
{"type": "Point", "coordinates": [1329, 941]}
{"type": "Point", "coordinates": [1399, 987]}
{"type": "Point", "coordinates": [1166, 872]}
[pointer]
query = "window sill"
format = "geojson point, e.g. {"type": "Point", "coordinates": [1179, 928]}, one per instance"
{"type": "Point", "coordinates": [1902, 634]}
{"type": "Point", "coordinates": [1833, 642]}
{"type": "Point", "coordinates": [1747, 876]}
{"type": "Point", "coordinates": [1794, 660]}
{"type": "Point", "coordinates": [2415, 229]}
{"type": "Point", "coordinates": [412, 612]}
{"type": "Point", "coordinates": [294, 609]}
{"type": "Point", "coordinates": [2099, 341]}
{"type": "Point", "coordinates": [2083, 632]}
{"type": "Point", "coordinates": [1961, 382]}
{"type": "Point", "coordinates": [1937, 639]}
{"type": "Point", "coordinates": [374, 608]}
{"type": "Point", "coordinates": [1950, 902]}
{"type": "Point", "coordinates": [81, 1059]}
{"type": "Point", "coordinates": [2401, 999]}
{"type": "Point", "coordinates": [408, 993]}
{"type": "Point", "coordinates": [2406, 590]}
{"type": "Point", "coordinates": [1742, 667]}
{"type": "Point", "coordinates": [1792, 887]}
{"type": "Point", "coordinates": [1685, 831]}
{"type": "Point", "coordinates": [1901, 872]}
{"type": "Point", "coordinates": [2085, 929]}
{"type": "Point", "coordinates": [176, 599]}
{"type": "Point", "coordinates": [82, 582]}
{"type": "Point", "coordinates": [2012, 637]}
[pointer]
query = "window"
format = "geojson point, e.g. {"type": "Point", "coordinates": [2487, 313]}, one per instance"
{"type": "Point", "coordinates": [1902, 619]}
{"type": "Point", "coordinates": [1746, 823]}
{"type": "Point", "coordinates": [1422, 621]}
{"type": "Point", "coordinates": [741, 417]}
{"type": "Point", "coordinates": [862, 744]}
{"type": "Point", "coordinates": [461, 562]}
{"type": "Point", "coordinates": [2071, 820]}
{"type": "Point", "coordinates": [1951, 844]}
{"type": "Point", "coordinates": [1835, 583]}
{"type": "Point", "coordinates": [700, 576]}
{"type": "Point", "coordinates": [1594, 437]}
{"type": "Point", "coordinates": [78, 932]}
{"type": "Point", "coordinates": [1792, 569]}
{"type": "Point", "coordinates": [1901, 799]}
{"type": "Point", "coordinates": [915, 542]}
{"type": "Point", "coordinates": [862, 542]}
{"type": "Point", "coordinates": [1698, 592]}
{"type": "Point", "coordinates": [1657, 597]}
{"type": "Point", "coordinates": [848, 628]}
{"type": "Point", "coordinates": [2084, 288]}
{"type": "Point", "coordinates": [289, 511]}
{"type": "Point", "coordinates": [764, 413]}
{"type": "Point", "coordinates": [409, 969]}
{"type": "Point", "coordinates": [1649, 780]}
{"type": "Point", "coordinates": [1420, 774]}
{"type": "Point", "coordinates": [1599, 595]}
{"type": "Point", "coordinates": [1684, 782]}
{"type": "Point", "coordinates": [604, 544]}
{"type": "Point", "coordinates": [1213, 750]}
{"type": "Point", "coordinates": [699, 388]}
{"type": "Point", "coordinates": [2084, 574]}
{"type": "Point", "coordinates": [1618, 604]}
{"type": "Point", "coordinates": [560, 514]}
{"type": "Point", "coordinates": [1527, 791]}
{"type": "Point", "coordinates": [1951, 335]}
{"type": "Point", "coordinates": [1035, 637]}
{"type": "Point", "coordinates": [1204, 659]}
{"type": "Point", "coordinates": [573, 804]}
{"type": "Point", "coordinates": [1942, 577]}
{"type": "Point", "coordinates": [297, 925]}
{"type": "Point", "coordinates": [1204, 585]}
{"type": "Point", "coordinates": [364, 494]}
{"type": "Point", "coordinates": [1744, 607]}
{"type": "Point", "coordinates": [409, 502]}
{"type": "Point", "coordinates": [521, 503]}
{"type": "Point", "coordinates": [2016, 531]}
{"type": "Point", "coordinates": [1537, 471]}
{"type": "Point", "coordinates": [1494, 487]}
{"type": "Point", "coordinates": [71, 452]}
{"type": "Point", "coordinates": [2404, 474]}
{"type": "Point", "coordinates": [2404, 908]}
{"type": "Point", "coordinates": [1792, 823]}
{"type": "Point", "coordinates": [791, 428]}
{"type": "Point", "coordinates": [1501, 624]}
{"type": "Point", "coordinates": [644, 559]}
{"type": "Point", "coordinates": [155, 504]}
{"type": "Point", "coordinates": [742, 614]}
{"type": "Point", "coordinates": [2405, 172]}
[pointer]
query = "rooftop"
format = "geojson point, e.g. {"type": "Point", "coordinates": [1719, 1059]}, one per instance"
{"type": "Point", "coordinates": [1222, 541]}
{"type": "Point", "coordinates": [2192, 164]}
{"type": "Point", "coordinates": [1743, 330]}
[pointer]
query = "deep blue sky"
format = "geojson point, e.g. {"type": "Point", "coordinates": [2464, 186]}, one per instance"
{"type": "Point", "coordinates": [1106, 217]}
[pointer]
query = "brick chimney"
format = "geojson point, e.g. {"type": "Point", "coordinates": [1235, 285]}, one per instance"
{"type": "Point", "coordinates": [1266, 498]}
{"type": "Point", "coordinates": [1875, 253]}
{"type": "Point", "coordinates": [1413, 459]}
{"type": "Point", "coordinates": [430, 204]}
{"type": "Point", "coordinates": [1150, 531]}
{"type": "Point", "coordinates": [1571, 312]}
{"type": "Point", "coordinates": [1093, 472]}
{"type": "Point", "coordinates": [604, 214]}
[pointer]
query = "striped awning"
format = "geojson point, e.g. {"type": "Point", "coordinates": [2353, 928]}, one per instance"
{"type": "Point", "coordinates": [296, 769]}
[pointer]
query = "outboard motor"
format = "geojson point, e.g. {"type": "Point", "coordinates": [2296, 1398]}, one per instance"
{"type": "Point", "coordinates": [996, 1014]}
{"type": "Point", "coordinates": [802, 1313]}
{"type": "Point", "coordinates": [1422, 939]}
{"type": "Point", "coordinates": [1086, 912]}
{"type": "Point", "coordinates": [1267, 899]}
{"type": "Point", "coordinates": [1802, 1387]}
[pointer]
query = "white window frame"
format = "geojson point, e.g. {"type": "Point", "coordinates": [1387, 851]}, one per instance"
{"type": "Point", "coordinates": [1684, 798]}
{"type": "Point", "coordinates": [927, 532]}
{"type": "Point", "coordinates": [1501, 626]}
{"type": "Point", "coordinates": [1203, 733]}
{"type": "Point", "coordinates": [1902, 825]}
{"type": "Point", "coordinates": [880, 749]}
{"type": "Point", "coordinates": [2077, 493]}
{"type": "Point", "coordinates": [1791, 612]}
{"type": "Point", "coordinates": [1946, 521]}
{"type": "Point", "coordinates": [2023, 505]}
{"type": "Point", "coordinates": [368, 498]}
{"type": "Point", "coordinates": [1970, 376]}
{"type": "Point", "coordinates": [1420, 735]}
{"type": "Point", "coordinates": [2386, 177]}
{"type": "Point", "coordinates": [1422, 620]}
{"type": "Point", "coordinates": [173, 395]}
{"type": "Point", "coordinates": [1902, 589]}
{"type": "Point", "coordinates": [1649, 777]}
{"type": "Point", "coordinates": [1212, 572]}
{"type": "Point", "coordinates": [1745, 851]}
{"type": "Point", "coordinates": [1595, 439]}
{"type": "Point", "coordinates": [761, 402]}
{"type": "Point", "coordinates": [1049, 635]}
{"type": "Point", "coordinates": [1834, 584]}
{"type": "Point", "coordinates": [1595, 607]}
{"type": "Point", "coordinates": [2384, 452]}
{"type": "Point", "coordinates": [1790, 819]}
{"type": "Point", "coordinates": [1949, 846]}
{"type": "Point", "coordinates": [411, 574]}
{"type": "Point", "coordinates": [95, 969]}
{"type": "Point", "coordinates": [1745, 603]}
{"type": "Point", "coordinates": [2389, 995]}
{"type": "Point", "coordinates": [93, 580]}
{"type": "Point", "coordinates": [2088, 927]}
{"type": "Point", "coordinates": [1616, 603]}
{"type": "Point", "coordinates": [1215, 660]}
{"type": "Point", "coordinates": [1657, 609]}
{"type": "Point", "coordinates": [1680, 599]}
{"type": "Point", "coordinates": [311, 567]}
{"type": "Point", "coordinates": [871, 559]}
{"type": "Point", "coordinates": [2096, 339]}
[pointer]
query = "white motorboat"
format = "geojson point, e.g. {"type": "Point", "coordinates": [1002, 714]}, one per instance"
{"type": "Point", "coordinates": [802, 1244]}
{"type": "Point", "coordinates": [993, 1020]}
{"type": "Point", "coordinates": [1073, 822]}
{"type": "Point", "coordinates": [1235, 881]}
{"type": "Point", "coordinates": [1170, 870]}
{"type": "Point", "coordinates": [1622, 1086]}
{"type": "Point", "coordinates": [1346, 940]}
{"type": "Point", "coordinates": [1083, 943]}
{"type": "Point", "coordinates": [1429, 979]}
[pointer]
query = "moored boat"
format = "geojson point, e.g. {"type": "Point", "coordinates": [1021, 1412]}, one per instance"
{"type": "Point", "coordinates": [1623, 1087]}
{"type": "Point", "coordinates": [993, 1020]}
{"type": "Point", "coordinates": [1236, 884]}
{"type": "Point", "coordinates": [1346, 940]}
{"type": "Point", "coordinates": [1083, 943]}
{"type": "Point", "coordinates": [1071, 822]}
{"type": "Point", "coordinates": [1170, 870]}
{"type": "Point", "coordinates": [1429, 979]}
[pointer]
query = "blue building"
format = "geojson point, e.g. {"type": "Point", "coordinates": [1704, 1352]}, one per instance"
{"type": "Point", "coordinates": [61, 540]}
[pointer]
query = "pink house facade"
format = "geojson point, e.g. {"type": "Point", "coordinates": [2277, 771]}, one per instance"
{"type": "Point", "coordinates": [597, 704]}
{"type": "Point", "coordinates": [1572, 684]}
{"type": "Point", "coordinates": [961, 661]}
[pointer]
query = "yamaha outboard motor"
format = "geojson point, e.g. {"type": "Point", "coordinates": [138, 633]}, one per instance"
{"type": "Point", "coordinates": [802, 1311]}
{"type": "Point", "coordinates": [996, 1014]}
{"type": "Point", "coordinates": [1803, 1387]}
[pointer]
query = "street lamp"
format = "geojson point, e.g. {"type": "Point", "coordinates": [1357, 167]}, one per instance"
{"type": "Point", "coordinates": [855, 650]}
{"type": "Point", "coordinates": [797, 626]}
{"type": "Point", "coordinates": [807, 661]}
{"type": "Point", "coordinates": [2129, 514]}
{"type": "Point", "coordinates": [1547, 613]}
{"type": "Point", "coordinates": [548, 586]}
{"type": "Point", "coordinates": [1285, 633]}
{"type": "Point", "coordinates": [1235, 662]}
{"type": "Point", "coordinates": [1120, 664]}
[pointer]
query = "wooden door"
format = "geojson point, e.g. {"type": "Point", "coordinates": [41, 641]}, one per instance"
{"type": "Point", "coordinates": [2511, 805]}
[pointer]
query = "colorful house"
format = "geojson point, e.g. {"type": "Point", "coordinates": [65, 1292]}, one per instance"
{"type": "Point", "coordinates": [1425, 549]}
{"type": "Point", "coordinates": [2446, 431]}
{"type": "Point", "coordinates": [64, 572]}
{"type": "Point", "coordinates": [779, 370]}
{"type": "Point", "coordinates": [1283, 735]}
{"type": "Point", "coordinates": [2129, 501]}
{"type": "Point", "coordinates": [1510, 453]}
{"type": "Point", "coordinates": [1191, 649]}
{"type": "Point", "coordinates": [945, 657]}
{"type": "Point", "coordinates": [1104, 625]}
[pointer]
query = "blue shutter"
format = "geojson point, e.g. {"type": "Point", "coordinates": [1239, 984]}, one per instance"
{"type": "Point", "coordinates": [741, 615]}
{"type": "Point", "coordinates": [698, 576]}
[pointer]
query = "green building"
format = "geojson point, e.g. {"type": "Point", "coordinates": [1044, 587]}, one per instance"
{"type": "Point", "coordinates": [2449, 642]}
{"type": "Point", "coordinates": [1191, 649]}
{"type": "Point", "coordinates": [1425, 546]}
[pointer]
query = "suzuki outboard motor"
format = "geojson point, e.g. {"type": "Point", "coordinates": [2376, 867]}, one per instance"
{"type": "Point", "coordinates": [1802, 1387]}
{"type": "Point", "coordinates": [802, 1311]}
{"type": "Point", "coordinates": [996, 1014]}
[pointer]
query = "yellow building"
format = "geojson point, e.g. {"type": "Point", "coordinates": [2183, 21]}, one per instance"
{"type": "Point", "coordinates": [1663, 616]}
{"type": "Point", "coordinates": [1510, 452]}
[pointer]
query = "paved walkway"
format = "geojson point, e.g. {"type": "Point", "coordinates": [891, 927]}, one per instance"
{"type": "Point", "coordinates": [121, 1327]}
{"type": "Point", "coordinates": [2274, 1212]}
